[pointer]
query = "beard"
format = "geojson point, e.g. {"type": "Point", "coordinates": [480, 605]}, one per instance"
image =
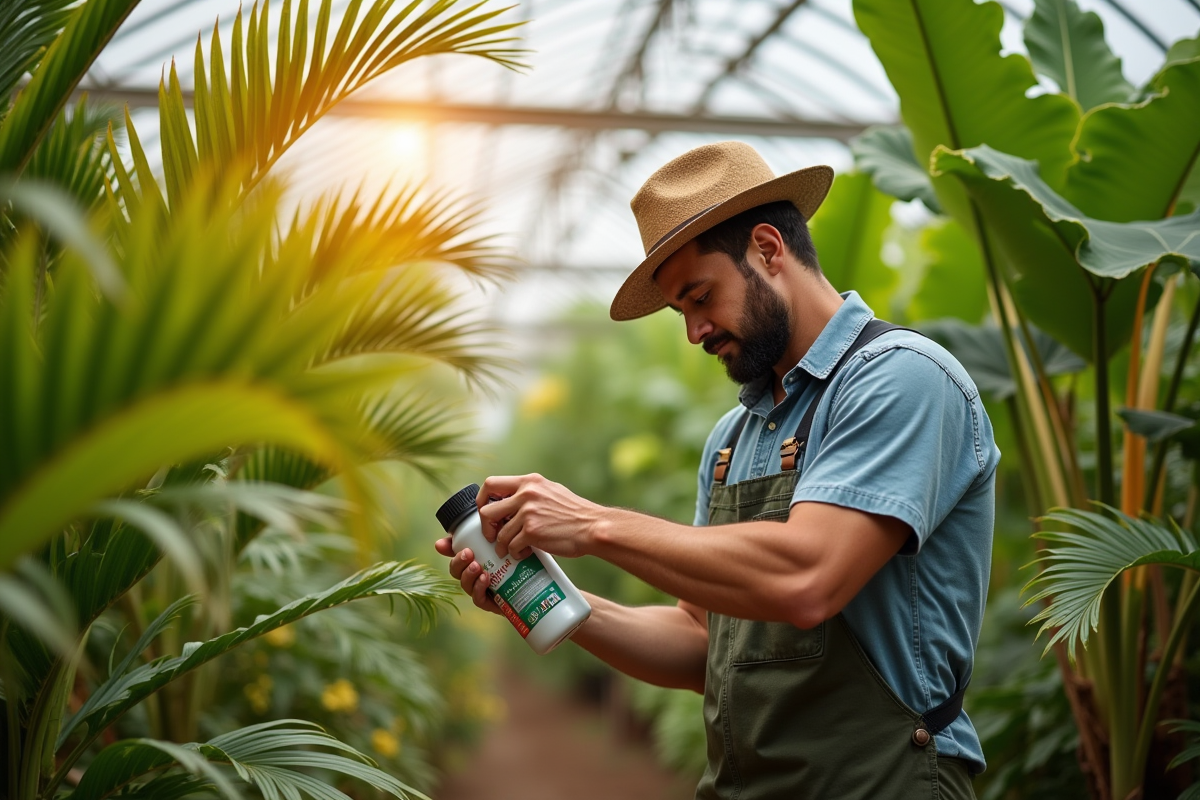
{"type": "Point", "coordinates": [766, 329]}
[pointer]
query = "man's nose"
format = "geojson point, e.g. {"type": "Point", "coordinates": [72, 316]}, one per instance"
{"type": "Point", "coordinates": [698, 328]}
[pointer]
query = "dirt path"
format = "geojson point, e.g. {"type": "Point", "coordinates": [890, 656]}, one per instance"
{"type": "Point", "coordinates": [577, 753]}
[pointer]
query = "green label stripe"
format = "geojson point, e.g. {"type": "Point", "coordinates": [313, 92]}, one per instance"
{"type": "Point", "coordinates": [530, 590]}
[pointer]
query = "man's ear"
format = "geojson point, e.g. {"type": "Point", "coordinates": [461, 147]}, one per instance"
{"type": "Point", "coordinates": [767, 243]}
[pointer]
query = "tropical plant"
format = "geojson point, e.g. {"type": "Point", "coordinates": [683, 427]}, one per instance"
{"type": "Point", "coordinates": [1081, 203]}
{"type": "Point", "coordinates": [180, 371]}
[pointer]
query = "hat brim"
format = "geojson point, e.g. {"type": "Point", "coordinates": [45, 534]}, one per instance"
{"type": "Point", "coordinates": [805, 189]}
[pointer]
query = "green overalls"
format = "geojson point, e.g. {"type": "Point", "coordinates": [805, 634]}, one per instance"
{"type": "Point", "coordinates": [793, 714]}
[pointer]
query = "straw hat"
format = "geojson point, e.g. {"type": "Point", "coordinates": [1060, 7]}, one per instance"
{"type": "Point", "coordinates": [701, 188]}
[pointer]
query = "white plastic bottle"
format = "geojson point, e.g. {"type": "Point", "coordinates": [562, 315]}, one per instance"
{"type": "Point", "coordinates": [533, 592]}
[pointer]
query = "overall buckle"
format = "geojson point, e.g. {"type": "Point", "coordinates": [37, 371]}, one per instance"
{"type": "Point", "coordinates": [722, 466]}
{"type": "Point", "coordinates": [788, 451]}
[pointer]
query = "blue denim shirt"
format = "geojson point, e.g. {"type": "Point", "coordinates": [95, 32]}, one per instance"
{"type": "Point", "coordinates": [901, 431]}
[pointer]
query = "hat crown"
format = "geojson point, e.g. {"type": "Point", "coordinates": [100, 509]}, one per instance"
{"type": "Point", "coordinates": [693, 183]}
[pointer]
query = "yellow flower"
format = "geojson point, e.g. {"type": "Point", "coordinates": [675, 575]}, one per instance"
{"type": "Point", "coordinates": [281, 637]}
{"type": "Point", "coordinates": [340, 696]}
{"type": "Point", "coordinates": [634, 454]}
{"type": "Point", "coordinates": [547, 394]}
{"type": "Point", "coordinates": [384, 743]}
{"type": "Point", "coordinates": [258, 694]}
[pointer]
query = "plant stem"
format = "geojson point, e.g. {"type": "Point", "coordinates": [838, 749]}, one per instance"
{"type": "Point", "coordinates": [1141, 749]}
{"type": "Point", "coordinates": [1104, 476]}
{"type": "Point", "coordinates": [1160, 451]}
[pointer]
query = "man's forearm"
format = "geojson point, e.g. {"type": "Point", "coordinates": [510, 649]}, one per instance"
{"type": "Point", "coordinates": [742, 570]}
{"type": "Point", "coordinates": [662, 645]}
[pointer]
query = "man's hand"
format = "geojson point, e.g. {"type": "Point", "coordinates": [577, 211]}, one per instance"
{"type": "Point", "coordinates": [524, 511]}
{"type": "Point", "coordinates": [469, 574]}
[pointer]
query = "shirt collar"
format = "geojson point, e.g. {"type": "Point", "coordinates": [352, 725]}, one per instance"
{"type": "Point", "coordinates": [824, 354]}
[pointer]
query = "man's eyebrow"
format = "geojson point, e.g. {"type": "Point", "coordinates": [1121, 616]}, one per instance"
{"type": "Point", "coordinates": [687, 287]}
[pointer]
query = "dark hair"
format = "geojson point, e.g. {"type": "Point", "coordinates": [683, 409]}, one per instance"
{"type": "Point", "coordinates": [732, 237]}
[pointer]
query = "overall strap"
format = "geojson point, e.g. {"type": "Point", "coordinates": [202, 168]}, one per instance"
{"type": "Point", "coordinates": [725, 454]}
{"type": "Point", "coordinates": [791, 452]}
{"type": "Point", "coordinates": [937, 719]}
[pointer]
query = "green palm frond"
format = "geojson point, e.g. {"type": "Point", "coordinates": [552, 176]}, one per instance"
{"type": "Point", "coordinates": [412, 311]}
{"type": "Point", "coordinates": [207, 351]}
{"type": "Point", "coordinates": [420, 588]}
{"type": "Point", "coordinates": [249, 115]}
{"type": "Point", "coordinates": [54, 212]}
{"type": "Point", "coordinates": [27, 27]}
{"type": "Point", "coordinates": [1190, 727]}
{"type": "Point", "coordinates": [123, 765]}
{"type": "Point", "coordinates": [87, 30]}
{"type": "Point", "coordinates": [417, 429]}
{"type": "Point", "coordinates": [269, 756]}
{"type": "Point", "coordinates": [413, 226]}
{"type": "Point", "coordinates": [31, 597]}
{"type": "Point", "coordinates": [73, 155]}
{"type": "Point", "coordinates": [1083, 560]}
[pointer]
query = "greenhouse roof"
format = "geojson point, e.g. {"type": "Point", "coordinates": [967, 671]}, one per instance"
{"type": "Point", "coordinates": [615, 88]}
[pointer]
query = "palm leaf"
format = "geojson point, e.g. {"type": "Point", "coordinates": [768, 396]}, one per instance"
{"type": "Point", "coordinates": [414, 226]}
{"type": "Point", "coordinates": [267, 754]}
{"type": "Point", "coordinates": [122, 763]}
{"type": "Point", "coordinates": [419, 587]}
{"type": "Point", "coordinates": [89, 28]}
{"type": "Point", "coordinates": [32, 598]}
{"type": "Point", "coordinates": [412, 311]}
{"type": "Point", "coordinates": [59, 216]}
{"type": "Point", "coordinates": [208, 351]}
{"type": "Point", "coordinates": [73, 157]}
{"type": "Point", "coordinates": [248, 116]}
{"type": "Point", "coordinates": [263, 755]}
{"type": "Point", "coordinates": [27, 27]}
{"type": "Point", "coordinates": [1081, 562]}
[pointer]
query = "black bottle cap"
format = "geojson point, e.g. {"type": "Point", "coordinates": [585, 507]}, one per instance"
{"type": "Point", "coordinates": [458, 506]}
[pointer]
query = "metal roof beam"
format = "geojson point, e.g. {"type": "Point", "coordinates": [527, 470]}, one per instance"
{"type": "Point", "coordinates": [545, 116]}
{"type": "Point", "coordinates": [737, 62]}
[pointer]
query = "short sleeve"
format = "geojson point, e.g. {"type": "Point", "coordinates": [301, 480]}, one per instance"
{"type": "Point", "coordinates": [898, 438]}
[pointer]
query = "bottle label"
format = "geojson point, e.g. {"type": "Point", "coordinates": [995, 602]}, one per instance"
{"type": "Point", "coordinates": [524, 591]}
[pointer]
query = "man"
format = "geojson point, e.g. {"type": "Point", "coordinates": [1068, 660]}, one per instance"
{"type": "Point", "coordinates": [832, 587]}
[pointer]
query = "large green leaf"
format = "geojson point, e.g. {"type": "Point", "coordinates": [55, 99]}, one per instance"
{"type": "Point", "coordinates": [1105, 249]}
{"type": "Point", "coordinates": [1154, 425]}
{"type": "Point", "coordinates": [885, 152]}
{"type": "Point", "coordinates": [943, 59]}
{"type": "Point", "coordinates": [1057, 254]}
{"type": "Point", "coordinates": [848, 235]}
{"type": "Point", "coordinates": [1067, 45]}
{"type": "Point", "coordinates": [1133, 161]}
{"type": "Point", "coordinates": [1081, 562]}
{"type": "Point", "coordinates": [26, 27]}
{"type": "Point", "coordinates": [419, 587]}
{"type": "Point", "coordinates": [90, 27]}
{"type": "Point", "coordinates": [954, 284]}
